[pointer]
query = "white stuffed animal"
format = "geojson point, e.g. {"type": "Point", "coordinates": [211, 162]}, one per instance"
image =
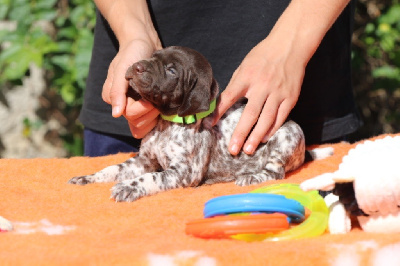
{"type": "Point", "coordinates": [373, 167]}
{"type": "Point", "coordinates": [5, 225]}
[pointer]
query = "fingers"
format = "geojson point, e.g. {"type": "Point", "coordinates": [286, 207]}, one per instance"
{"type": "Point", "coordinates": [248, 119]}
{"type": "Point", "coordinates": [136, 109]}
{"type": "Point", "coordinates": [266, 126]}
{"type": "Point", "coordinates": [115, 87]}
{"type": "Point", "coordinates": [105, 94]}
{"type": "Point", "coordinates": [145, 119]}
{"type": "Point", "coordinates": [139, 133]}
{"type": "Point", "coordinates": [119, 88]}
{"type": "Point", "coordinates": [142, 117]}
{"type": "Point", "coordinates": [282, 114]}
{"type": "Point", "coordinates": [264, 114]}
{"type": "Point", "coordinates": [263, 119]}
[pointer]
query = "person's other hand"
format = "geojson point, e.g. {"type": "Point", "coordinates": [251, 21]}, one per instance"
{"type": "Point", "coordinates": [270, 78]}
{"type": "Point", "coordinates": [272, 73]}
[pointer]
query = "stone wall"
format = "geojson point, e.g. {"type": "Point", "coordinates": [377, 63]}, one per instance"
{"type": "Point", "coordinates": [23, 102]}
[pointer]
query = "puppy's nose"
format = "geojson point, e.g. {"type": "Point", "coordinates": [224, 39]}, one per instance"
{"type": "Point", "coordinates": [135, 69]}
{"type": "Point", "coordinates": [139, 68]}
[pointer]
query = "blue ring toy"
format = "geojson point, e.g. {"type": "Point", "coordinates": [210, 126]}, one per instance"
{"type": "Point", "coordinates": [255, 202]}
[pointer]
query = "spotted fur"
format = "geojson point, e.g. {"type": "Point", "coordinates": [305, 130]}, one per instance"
{"type": "Point", "coordinates": [175, 155]}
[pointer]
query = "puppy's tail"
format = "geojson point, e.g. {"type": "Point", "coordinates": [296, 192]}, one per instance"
{"type": "Point", "coordinates": [318, 154]}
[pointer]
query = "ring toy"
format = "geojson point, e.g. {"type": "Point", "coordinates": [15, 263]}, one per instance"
{"type": "Point", "coordinates": [255, 202]}
{"type": "Point", "coordinates": [225, 226]}
{"type": "Point", "coordinates": [315, 224]}
{"type": "Point", "coordinates": [311, 200]}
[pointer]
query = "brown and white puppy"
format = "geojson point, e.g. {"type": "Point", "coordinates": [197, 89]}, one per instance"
{"type": "Point", "coordinates": [179, 81]}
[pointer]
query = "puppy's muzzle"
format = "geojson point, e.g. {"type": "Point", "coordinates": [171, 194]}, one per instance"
{"type": "Point", "coordinates": [139, 77]}
{"type": "Point", "coordinates": [136, 69]}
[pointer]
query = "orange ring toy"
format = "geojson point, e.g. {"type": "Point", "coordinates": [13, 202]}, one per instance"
{"type": "Point", "coordinates": [226, 226]}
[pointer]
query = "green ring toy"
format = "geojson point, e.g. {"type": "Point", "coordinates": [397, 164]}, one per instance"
{"type": "Point", "coordinates": [314, 225]}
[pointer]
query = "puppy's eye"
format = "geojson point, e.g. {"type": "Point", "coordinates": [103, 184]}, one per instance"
{"type": "Point", "coordinates": [169, 69]}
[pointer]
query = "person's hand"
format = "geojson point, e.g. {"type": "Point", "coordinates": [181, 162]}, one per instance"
{"type": "Point", "coordinates": [141, 115]}
{"type": "Point", "coordinates": [271, 75]}
{"type": "Point", "coordinates": [132, 25]}
{"type": "Point", "coordinates": [270, 78]}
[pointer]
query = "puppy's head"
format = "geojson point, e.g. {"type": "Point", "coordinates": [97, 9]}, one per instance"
{"type": "Point", "coordinates": [176, 80]}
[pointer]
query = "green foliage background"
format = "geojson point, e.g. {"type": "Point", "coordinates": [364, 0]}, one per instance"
{"type": "Point", "coordinates": [62, 46]}
{"type": "Point", "coordinates": [56, 35]}
{"type": "Point", "coordinates": [376, 65]}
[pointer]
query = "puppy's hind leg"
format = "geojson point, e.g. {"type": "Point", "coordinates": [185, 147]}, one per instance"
{"type": "Point", "coordinates": [284, 152]}
{"type": "Point", "coordinates": [274, 170]}
{"type": "Point", "coordinates": [129, 169]}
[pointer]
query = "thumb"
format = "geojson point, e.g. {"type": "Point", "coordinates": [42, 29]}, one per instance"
{"type": "Point", "coordinates": [118, 91]}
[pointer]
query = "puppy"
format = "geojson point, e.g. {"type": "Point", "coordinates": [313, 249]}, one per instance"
{"type": "Point", "coordinates": [184, 149]}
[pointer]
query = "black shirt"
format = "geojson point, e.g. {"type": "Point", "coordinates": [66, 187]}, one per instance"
{"type": "Point", "coordinates": [224, 32]}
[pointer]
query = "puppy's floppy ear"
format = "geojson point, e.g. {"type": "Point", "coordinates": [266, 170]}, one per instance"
{"type": "Point", "coordinates": [198, 98]}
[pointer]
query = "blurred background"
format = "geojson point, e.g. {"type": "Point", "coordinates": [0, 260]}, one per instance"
{"type": "Point", "coordinates": [45, 49]}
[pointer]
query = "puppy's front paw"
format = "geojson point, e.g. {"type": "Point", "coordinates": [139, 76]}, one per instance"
{"type": "Point", "coordinates": [126, 191]}
{"type": "Point", "coordinates": [80, 180]}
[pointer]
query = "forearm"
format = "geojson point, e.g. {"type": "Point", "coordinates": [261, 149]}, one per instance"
{"type": "Point", "coordinates": [129, 20]}
{"type": "Point", "coordinates": [303, 25]}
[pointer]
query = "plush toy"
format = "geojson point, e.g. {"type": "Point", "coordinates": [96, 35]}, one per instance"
{"type": "Point", "coordinates": [5, 225]}
{"type": "Point", "coordinates": [367, 185]}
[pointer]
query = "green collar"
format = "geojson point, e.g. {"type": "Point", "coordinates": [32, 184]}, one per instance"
{"type": "Point", "coordinates": [190, 119]}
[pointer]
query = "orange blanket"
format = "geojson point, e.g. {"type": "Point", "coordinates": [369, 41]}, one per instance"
{"type": "Point", "coordinates": [61, 224]}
